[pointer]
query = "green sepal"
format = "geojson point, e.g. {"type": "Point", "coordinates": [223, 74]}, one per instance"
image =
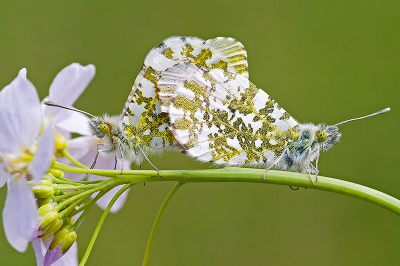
{"type": "Point", "coordinates": [54, 227]}
{"type": "Point", "coordinates": [43, 191]}
{"type": "Point", "coordinates": [66, 238]}
{"type": "Point", "coordinates": [41, 202]}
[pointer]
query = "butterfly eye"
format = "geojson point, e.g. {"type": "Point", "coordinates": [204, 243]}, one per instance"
{"type": "Point", "coordinates": [104, 128]}
{"type": "Point", "coordinates": [321, 135]}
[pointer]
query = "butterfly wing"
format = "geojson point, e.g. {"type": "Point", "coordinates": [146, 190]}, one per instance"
{"type": "Point", "coordinates": [142, 117]}
{"type": "Point", "coordinates": [222, 117]}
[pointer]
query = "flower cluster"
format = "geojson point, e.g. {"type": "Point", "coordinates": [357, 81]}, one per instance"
{"type": "Point", "coordinates": [44, 205]}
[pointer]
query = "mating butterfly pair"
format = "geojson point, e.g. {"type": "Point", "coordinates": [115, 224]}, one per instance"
{"type": "Point", "coordinates": [195, 96]}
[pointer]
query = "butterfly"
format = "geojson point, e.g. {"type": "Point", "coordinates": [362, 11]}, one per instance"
{"type": "Point", "coordinates": [142, 129]}
{"type": "Point", "coordinates": [223, 118]}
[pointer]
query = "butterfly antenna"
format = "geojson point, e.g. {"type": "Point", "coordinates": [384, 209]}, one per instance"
{"type": "Point", "coordinates": [354, 119]}
{"type": "Point", "coordinates": [50, 103]}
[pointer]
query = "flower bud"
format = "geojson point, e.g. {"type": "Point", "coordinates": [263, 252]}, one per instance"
{"type": "Point", "coordinates": [41, 202]}
{"type": "Point", "coordinates": [61, 243]}
{"type": "Point", "coordinates": [48, 219]}
{"type": "Point", "coordinates": [57, 173]}
{"type": "Point", "coordinates": [57, 223]}
{"type": "Point", "coordinates": [47, 215]}
{"type": "Point", "coordinates": [44, 189]}
{"type": "Point", "coordinates": [61, 144]}
{"type": "Point", "coordinates": [48, 177]}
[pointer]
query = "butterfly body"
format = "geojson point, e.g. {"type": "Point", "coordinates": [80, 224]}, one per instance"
{"type": "Point", "coordinates": [115, 142]}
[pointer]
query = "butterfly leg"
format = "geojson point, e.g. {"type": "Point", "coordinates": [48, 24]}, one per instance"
{"type": "Point", "coordinates": [309, 164]}
{"type": "Point", "coordinates": [275, 162]}
{"type": "Point", "coordinates": [147, 159]}
{"type": "Point", "coordinates": [122, 157]}
{"type": "Point", "coordinates": [316, 166]}
{"type": "Point", "coordinates": [97, 155]}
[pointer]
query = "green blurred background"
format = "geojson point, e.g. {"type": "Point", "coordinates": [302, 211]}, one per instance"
{"type": "Point", "coordinates": [323, 61]}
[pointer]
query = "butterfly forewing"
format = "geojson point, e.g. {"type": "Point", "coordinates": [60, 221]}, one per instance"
{"type": "Point", "coordinates": [222, 117]}
{"type": "Point", "coordinates": [142, 118]}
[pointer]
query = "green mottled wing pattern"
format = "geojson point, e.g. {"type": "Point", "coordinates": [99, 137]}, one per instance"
{"type": "Point", "coordinates": [142, 116]}
{"type": "Point", "coordinates": [221, 117]}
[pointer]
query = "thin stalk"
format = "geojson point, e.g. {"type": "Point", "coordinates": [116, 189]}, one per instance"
{"type": "Point", "coordinates": [66, 195]}
{"type": "Point", "coordinates": [88, 206]}
{"type": "Point", "coordinates": [157, 220]}
{"type": "Point", "coordinates": [63, 180]}
{"type": "Point", "coordinates": [106, 184]}
{"type": "Point", "coordinates": [71, 207]}
{"type": "Point", "coordinates": [72, 159]}
{"type": "Point", "coordinates": [101, 221]}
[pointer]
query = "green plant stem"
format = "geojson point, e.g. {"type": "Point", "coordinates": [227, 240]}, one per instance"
{"type": "Point", "coordinates": [236, 174]}
{"type": "Point", "coordinates": [71, 207]}
{"type": "Point", "coordinates": [157, 220]}
{"type": "Point", "coordinates": [72, 159]}
{"type": "Point", "coordinates": [87, 208]}
{"type": "Point", "coordinates": [104, 185]}
{"type": "Point", "coordinates": [101, 221]}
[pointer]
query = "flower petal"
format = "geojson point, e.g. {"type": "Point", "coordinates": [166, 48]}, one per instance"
{"type": "Point", "coordinates": [74, 122]}
{"type": "Point", "coordinates": [22, 73]}
{"type": "Point", "coordinates": [40, 247]}
{"type": "Point", "coordinates": [44, 155]}
{"type": "Point", "coordinates": [40, 250]}
{"type": "Point", "coordinates": [4, 176]}
{"type": "Point", "coordinates": [69, 84]}
{"type": "Point", "coordinates": [70, 258]}
{"type": "Point", "coordinates": [20, 114]}
{"type": "Point", "coordinates": [53, 255]}
{"type": "Point", "coordinates": [19, 214]}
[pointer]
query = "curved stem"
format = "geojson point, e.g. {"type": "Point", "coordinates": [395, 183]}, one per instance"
{"type": "Point", "coordinates": [72, 159]}
{"type": "Point", "coordinates": [236, 174]}
{"type": "Point", "coordinates": [87, 208]}
{"type": "Point", "coordinates": [157, 220]}
{"type": "Point", "coordinates": [71, 207]}
{"type": "Point", "coordinates": [101, 221]}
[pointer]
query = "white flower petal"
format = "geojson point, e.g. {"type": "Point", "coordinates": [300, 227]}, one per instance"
{"type": "Point", "coordinates": [20, 115]}
{"type": "Point", "coordinates": [44, 155]}
{"type": "Point", "coordinates": [74, 122]}
{"type": "Point", "coordinates": [40, 250]}
{"type": "Point", "coordinates": [103, 202]}
{"type": "Point", "coordinates": [22, 73]}
{"type": "Point", "coordinates": [69, 84]}
{"type": "Point", "coordinates": [4, 176]}
{"type": "Point", "coordinates": [19, 214]}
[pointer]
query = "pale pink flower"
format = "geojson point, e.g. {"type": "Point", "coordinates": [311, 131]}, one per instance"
{"type": "Point", "coordinates": [65, 89]}
{"type": "Point", "coordinates": [20, 154]}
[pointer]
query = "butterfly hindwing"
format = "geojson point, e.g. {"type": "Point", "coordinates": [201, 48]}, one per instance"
{"type": "Point", "coordinates": [221, 117]}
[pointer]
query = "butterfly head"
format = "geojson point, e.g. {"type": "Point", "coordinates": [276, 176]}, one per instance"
{"type": "Point", "coordinates": [101, 126]}
{"type": "Point", "coordinates": [327, 136]}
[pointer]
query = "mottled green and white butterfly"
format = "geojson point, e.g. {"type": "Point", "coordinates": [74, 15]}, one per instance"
{"type": "Point", "coordinates": [221, 117]}
{"type": "Point", "coordinates": [142, 129]}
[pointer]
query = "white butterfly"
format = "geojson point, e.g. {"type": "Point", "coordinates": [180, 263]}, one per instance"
{"type": "Point", "coordinates": [221, 117]}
